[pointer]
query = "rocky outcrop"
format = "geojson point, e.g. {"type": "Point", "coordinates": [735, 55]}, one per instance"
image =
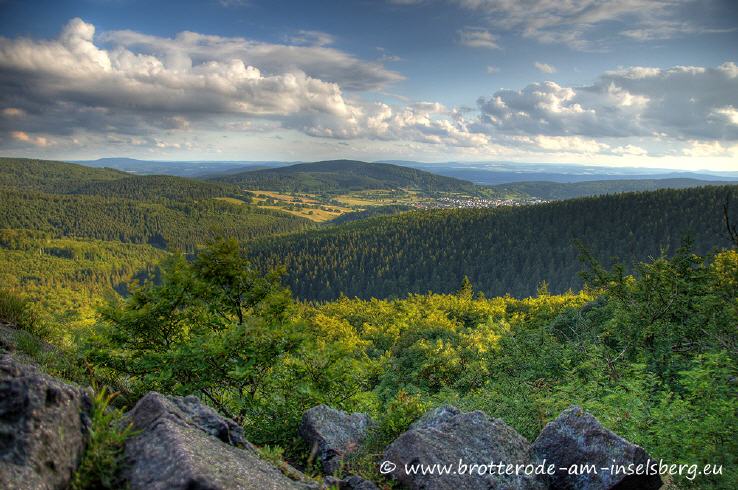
{"type": "Point", "coordinates": [43, 425]}
{"type": "Point", "coordinates": [349, 483]}
{"type": "Point", "coordinates": [446, 436]}
{"type": "Point", "coordinates": [436, 417]}
{"type": "Point", "coordinates": [185, 445]}
{"type": "Point", "coordinates": [577, 438]}
{"type": "Point", "coordinates": [332, 434]}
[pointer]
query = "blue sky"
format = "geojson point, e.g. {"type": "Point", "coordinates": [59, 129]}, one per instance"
{"type": "Point", "coordinates": [635, 83]}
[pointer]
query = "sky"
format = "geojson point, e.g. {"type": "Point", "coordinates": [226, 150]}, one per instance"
{"type": "Point", "coordinates": [650, 83]}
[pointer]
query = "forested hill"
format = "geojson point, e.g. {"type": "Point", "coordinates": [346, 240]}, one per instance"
{"type": "Point", "coordinates": [155, 187]}
{"type": "Point", "coordinates": [553, 191]}
{"type": "Point", "coordinates": [343, 176]}
{"type": "Point", "coordinates": [69, 178]}
{"type": "Point", "coordinates": [51, 176]}
{"type": "Point", "coordinates": [69, 200]}
{"type": "Point", "coordinates": [503, 250]}
{"type": "Point", "coordinates": [163, 224]}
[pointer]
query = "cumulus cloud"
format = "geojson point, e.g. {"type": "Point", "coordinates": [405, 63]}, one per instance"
{"type": "Point", "coordinates": [478, 38]}
{"type": "Point", "coordinates": [544, 68]}
{"type": "Point", "coordinates": [142, 83]}
{"type": "Point", "coordinates": [144, 80]}
{"type": "Point", "coordinates": [682, 102]}
{"type": "Point", "coordinates": [127, 89]}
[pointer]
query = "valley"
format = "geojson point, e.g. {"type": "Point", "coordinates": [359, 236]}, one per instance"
{"type": "Point", "coordinates": [390, 296]}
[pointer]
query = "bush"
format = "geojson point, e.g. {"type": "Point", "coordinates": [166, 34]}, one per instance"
{"type": "Point", "coordinates": [103, 458]}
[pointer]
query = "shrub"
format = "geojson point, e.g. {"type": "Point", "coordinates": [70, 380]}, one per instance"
{"type": "Point", "coordinates": [103, 458]}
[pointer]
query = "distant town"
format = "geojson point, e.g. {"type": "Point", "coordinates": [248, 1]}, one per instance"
{"type": "Point", "coordinates": [469, 202]}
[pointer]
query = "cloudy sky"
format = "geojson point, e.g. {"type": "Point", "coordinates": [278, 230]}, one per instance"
{"type": "Point", "coordinates": [629, 82]}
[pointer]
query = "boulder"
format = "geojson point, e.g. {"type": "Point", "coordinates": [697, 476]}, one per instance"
{"type": "Point", "coordinates": [447, 436]}
{"type": "Point", "coordinates": [435, 417]}
{"type": "Point", "coordinates": [332, 434]}
{"type": "Point", "coordinates": [182, 444]}
{"type": "Point", "coordinates": [349, 483]}
{"type": "Point", "coordinates": [577, 438]}
{"type": "Point", "coordinates": [43, 427]}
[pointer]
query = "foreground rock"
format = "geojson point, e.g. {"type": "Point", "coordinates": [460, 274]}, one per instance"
{"type": "Point", "coordinates": [332, 434]}
{"type": "Point", "coordinates": [446, 436]}
{"type": "Point", "coordinates": [43, 423]}
{"type": "Point", "coordinates": [577, 438]}
{"type": "Point", "coordinates": [349, 483]}
{"type": "Point", "coordinates": [186, 445]}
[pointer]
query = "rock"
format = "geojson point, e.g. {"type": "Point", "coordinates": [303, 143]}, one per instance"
{"type": "Point", "coordinates": [333, 434]}
{"type": "Point", "coordinates": [43, 427]}
{"type": "Point", "coordinates": [348, 483]}
{"type": "Point", "coordinates": [190, 411]}
{"type": "Point", "coordinates": [577, 438]}
{"type": "Point", "coordinates": [435, 417]}
{"type": "Point", "coordinates": [446, 436]}
{"type": "Point", "coordinates": [183, 444]}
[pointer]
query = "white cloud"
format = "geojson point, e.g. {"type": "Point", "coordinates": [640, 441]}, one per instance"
{"type": "Point", "coordinates": [491, 70]}
{"type": "Point", "coordinates": [578, 23]}
{"type": "Point", "coordinates": [710, 149]}
{"type": "Point", "coordinates": [544, 68]}
{"type": "Point", "coordinates": [683, 102]}
{"type": "Point", "coordinates": [199, 93]}
{"type": "Point", "coordinates": [478, 38]}
{"type": "Point", "coordinates": [312, 38]}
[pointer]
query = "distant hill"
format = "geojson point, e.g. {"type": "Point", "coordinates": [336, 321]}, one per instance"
{"type": "Point", "coordinates": [181, 169]}
{"type": "Point", "coordinates": [344, 175]}
{"type": "Point", "coordinates": [503, 250]}
{"type": "Point", "coordinates": [70, 178]}
{"type": "Point", "coordinates": [51, 176]}
{"type": "Point", "coordinates": [495, 173]}
{"type": "Point", "coordinates": [554, 191]}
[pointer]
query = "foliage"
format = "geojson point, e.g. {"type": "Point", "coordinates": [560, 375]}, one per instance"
{"type": "Point", "coordinates": [67, 279]}
{"type": "Point", "coordinates": [103, 458]}
{"type": "Point", "coordinates": [371, 212]}
{"type": "Point", "coordinates": [17, 311]}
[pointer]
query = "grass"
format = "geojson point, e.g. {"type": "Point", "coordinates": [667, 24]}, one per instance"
{"type": "Point", "coordinates": [18, 312]}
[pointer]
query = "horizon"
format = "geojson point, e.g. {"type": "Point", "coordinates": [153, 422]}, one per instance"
{"type": "Point", "coordinates": [603, 84]}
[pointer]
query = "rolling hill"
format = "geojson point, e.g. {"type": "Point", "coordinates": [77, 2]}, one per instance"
{"type": "Point", "coordinates": [338, 176]}
{"type": "Point", "coordinates": [69, 178]}
{"type": "Point", "coordinates": [69, 200]}
{"type": "Point", "coordinates": [52, 176]}
{"type": "Point", "coordinates": [503, 250]}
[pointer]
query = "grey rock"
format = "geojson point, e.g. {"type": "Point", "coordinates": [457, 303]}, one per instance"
{"type": "Point", "coordinates": [447, 436]}
{"type": "Point", "coordinates": [577, 438]}
{"type": "Point", "coordinates": [43, 427]}
{"type": "Point", "coordinates": [349, 483]}
{"type": "Point", "coordinates": [333, 434]}
{"type": "Point", "coordinates": [183, 444]}
{"type": "Point", "coordinates": [435, 417]}
{"type": "Point", "coordinates": [189, 411]}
